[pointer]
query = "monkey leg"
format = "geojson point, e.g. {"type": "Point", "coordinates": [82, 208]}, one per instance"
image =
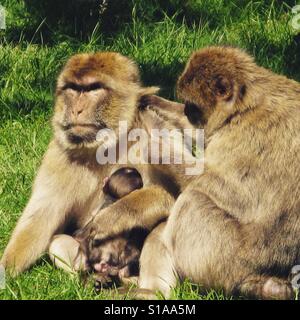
{"type": "Point", "coordinates": [30, 238]}
{"type": "Point", "coordinates": [211, 248]}
{"type": "Point", "coordinates": [156, 267]}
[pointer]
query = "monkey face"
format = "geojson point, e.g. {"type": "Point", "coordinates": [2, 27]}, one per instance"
{"type": "Point", "coordinates": [109, 255]}
{"type": "Point", "coordinates": [211, 81]}
{"type": "Point", "coordinates": [112, 255]}
{"type": "Point", "coordinates": [113, 260]}
{"type": "Point", "coordinates": [94, 91]}
{"type": "Point", "coordinates": [83, 104]}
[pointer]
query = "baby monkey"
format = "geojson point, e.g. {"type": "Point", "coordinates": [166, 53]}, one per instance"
{"type": "Point", "coordinates": [77, 253]}
{"type": "Point", "coordinates": [122, 182]}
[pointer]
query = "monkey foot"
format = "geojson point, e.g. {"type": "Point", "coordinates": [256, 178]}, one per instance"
{"type": "Point", "coordinates": [275, 288]}
{"type": "Point", "coordinates": [267, 288]}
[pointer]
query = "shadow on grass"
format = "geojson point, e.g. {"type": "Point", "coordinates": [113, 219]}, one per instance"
{"type": "Point", "coordinates": [292, 59]}
{"type": "Point", "coordinates": [164, 76]}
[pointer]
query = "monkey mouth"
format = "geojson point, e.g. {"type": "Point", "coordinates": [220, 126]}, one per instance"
{"type": "Point", "coordinates": [193, 113]}
{"type": "Point", "coordinates": [76, 138]}
{"type": "Point", "coordinates": [78, 135]}
{"type": "Point", "coordinates": [82, 126]}
{"type": "Point", "coordinates": [82, 133]}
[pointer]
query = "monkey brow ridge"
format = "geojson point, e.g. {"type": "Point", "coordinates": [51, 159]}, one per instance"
{"type": "Point", "coordinates": [81, 87]}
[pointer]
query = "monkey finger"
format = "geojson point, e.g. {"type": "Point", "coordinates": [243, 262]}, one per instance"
{"type": "Point", "coordinates": [104, 281]}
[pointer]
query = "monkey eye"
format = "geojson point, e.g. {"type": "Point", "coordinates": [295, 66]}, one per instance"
{"type": "Point", "coordinates": [83, 88]}
{"type": "Point", "coordinates": [94, 86]}
{"type": "Point", "coordinates": [97, 242]}
{"type": "Point", "coordinates": [72, 86]}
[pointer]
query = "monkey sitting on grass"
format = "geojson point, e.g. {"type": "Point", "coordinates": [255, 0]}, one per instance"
{"type": "Point", "coordinates": [74, 253]}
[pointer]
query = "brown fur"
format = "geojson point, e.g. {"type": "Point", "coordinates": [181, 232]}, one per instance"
{"type": "Point", "coordinates": [93, 91]}
{"type": "Point", "coordinates": [237, 225]}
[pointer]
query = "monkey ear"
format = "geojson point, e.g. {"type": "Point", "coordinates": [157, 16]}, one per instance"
{"type": "Point", "coordinates": [223, 87]}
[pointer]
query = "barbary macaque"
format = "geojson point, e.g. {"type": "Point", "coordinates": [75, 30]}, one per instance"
{"type": "Point", "coordinates": [94, 92]}
{"type": "Point", "coordinates": [72, 253]}
{"type": "Point", "coordinates": [236, 226]}
{"type": "Point", "coordinates": [118, 256]}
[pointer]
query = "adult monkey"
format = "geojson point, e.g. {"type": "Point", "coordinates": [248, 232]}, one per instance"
{"type": "Point", "coordinates": [237, 225]}
{"type": "Point", "coordinates": [94, 91]}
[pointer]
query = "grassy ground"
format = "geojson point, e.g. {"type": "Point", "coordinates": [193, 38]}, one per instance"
{"type": "Point", "coordinates": [160, 38]}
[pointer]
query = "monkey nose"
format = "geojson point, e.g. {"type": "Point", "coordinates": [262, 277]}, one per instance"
{"type": "Point", "coordinates": [77, 111]}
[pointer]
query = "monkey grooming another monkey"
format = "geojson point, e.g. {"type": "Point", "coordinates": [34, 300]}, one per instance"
{"type": "Point", "coordinates": [237, 225]}
{"type": "Point", "coordinates": [70, 254]}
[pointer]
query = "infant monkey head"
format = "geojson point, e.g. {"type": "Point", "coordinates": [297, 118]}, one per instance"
{"type": "Point", "coordinates": [122, 182]}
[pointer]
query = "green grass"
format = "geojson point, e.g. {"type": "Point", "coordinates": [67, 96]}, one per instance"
{"type": "Point", "coordinates": [160, 38]}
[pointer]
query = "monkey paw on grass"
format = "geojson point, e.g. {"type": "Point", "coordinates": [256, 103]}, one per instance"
{"type": "Point", "coordinates": [107, 276]}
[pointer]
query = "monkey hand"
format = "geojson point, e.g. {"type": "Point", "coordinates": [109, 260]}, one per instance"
{"type": "Point", "coordinates": [103, 281]}
{"type": "Point", "coordinates": [150, 100]}
{"type": "Point", "coordinates": [159, 102]}
{"type": "Point", "coordinates": [111, 276]}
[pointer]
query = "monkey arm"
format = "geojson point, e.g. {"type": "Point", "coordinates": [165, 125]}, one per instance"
{"type": "Point", "coordinates": [51, 200]}
{"type": "Point", "coordinates": [32, 234]}
{"type": "Point", "coordinates": [143, 208]}
{"type": "Point", "coordinates": [156, 101]}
